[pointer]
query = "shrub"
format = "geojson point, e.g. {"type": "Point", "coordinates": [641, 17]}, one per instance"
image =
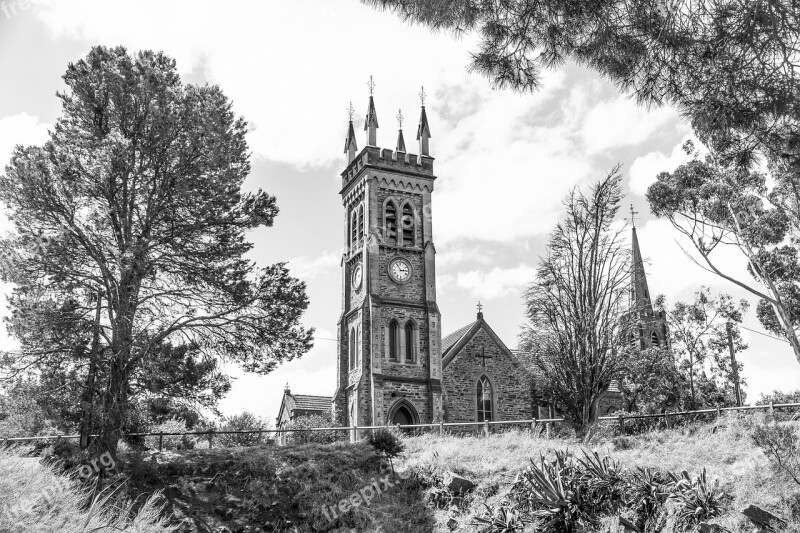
{"type": "Point", "coordinates": [245, 421]}
{"type": "Point", "coordinates": [568, 495]}
{"type": "Point", "coordinates": [698, 500]}
{"type": "Point", "coordinates": [306, 423]}
{"type": "Point", "coordinates": [170, 442]}
{"type": "Point", "coordinates": [387, 442]}
{"type": "Point", "coordinates": [781, 445]}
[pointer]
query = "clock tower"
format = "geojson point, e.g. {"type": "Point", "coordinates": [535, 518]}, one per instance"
{"type": "Point", "coordinates": [389, 366]}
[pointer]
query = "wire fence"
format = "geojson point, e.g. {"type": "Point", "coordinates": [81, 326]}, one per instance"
{"type": "Point", "coordinates": [356, 432]}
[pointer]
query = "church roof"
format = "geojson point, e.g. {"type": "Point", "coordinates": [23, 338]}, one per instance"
{"type": "Point", "coordinates": [453, 343]}
{"type": "Point", "coordinates": [302, 402]}
{"type": "Point", "coordinates": [450, 340]}
{"type": "Point", "coordinates": [312, 403]}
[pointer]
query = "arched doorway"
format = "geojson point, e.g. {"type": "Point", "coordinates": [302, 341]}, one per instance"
{"type": "Point", "coordinates": [403, 413]}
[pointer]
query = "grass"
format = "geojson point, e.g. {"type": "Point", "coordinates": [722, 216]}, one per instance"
{"type": "Point", "coordinates": [292, 489]}
{"type": "Point", "coordinates": [35, 498]}
{"type": "Point", "coordinates": [726, 451]}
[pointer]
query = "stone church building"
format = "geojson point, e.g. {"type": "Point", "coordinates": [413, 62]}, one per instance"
{"type": "Point", "coordinates": [394, 363]}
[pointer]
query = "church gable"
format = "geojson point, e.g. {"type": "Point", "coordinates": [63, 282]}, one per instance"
{"type": "Point", "coordinates": [482, 378]}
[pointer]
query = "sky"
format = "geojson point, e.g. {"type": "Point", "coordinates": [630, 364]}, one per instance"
{"type": "Point", "coordinates": [504, 161]}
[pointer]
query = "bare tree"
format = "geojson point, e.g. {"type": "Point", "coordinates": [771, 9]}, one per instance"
{"type": "Point", "coordinates": [575, 305]}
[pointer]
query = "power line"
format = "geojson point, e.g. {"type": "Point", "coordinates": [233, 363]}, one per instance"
{"type": "Point", "coordinates": [764, 334]}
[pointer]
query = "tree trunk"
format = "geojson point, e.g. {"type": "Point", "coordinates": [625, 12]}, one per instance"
{"type": "Point", "coordinates": [114, 407]}
{"type": "Point", "coordinates": [88, 393]}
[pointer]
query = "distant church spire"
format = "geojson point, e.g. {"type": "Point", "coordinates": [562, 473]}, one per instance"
{"type": "Point", "coordinates": [371, 121]}
{"type": "Point", "coordinates": [423, 130]}
{"type": "Point", "coordinates": [350, 147]}
{"type": "Point", "coordinates": [640, 294]}
{"type": "Point", "coordinates": [401, 143]}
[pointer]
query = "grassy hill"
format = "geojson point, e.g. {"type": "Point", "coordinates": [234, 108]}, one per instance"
{"type": "Point", "coordinates": [304, 488]}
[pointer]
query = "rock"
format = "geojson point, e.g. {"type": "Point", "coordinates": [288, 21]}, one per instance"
{"type": "Point", "coordinates": [457, 484]}
{"type": "Point", "coordinates": [712, 528]}
{"type": "Point", "coordinates": [452, 524]}
{"type": "Point", "coordinates": [762, 518]}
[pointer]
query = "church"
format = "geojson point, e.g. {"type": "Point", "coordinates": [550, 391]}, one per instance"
{"type": "Point", "coordinates": [394, 364]}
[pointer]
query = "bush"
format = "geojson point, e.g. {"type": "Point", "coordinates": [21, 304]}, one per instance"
{"type": "Point", "coordinates": [568, 494]}
{"type": "Point", "coordinates": [781, 445]}
{"type": "Point", "coordinates": [170, 442]}
{"type": "Point", "coordinates": [387, 442]}
{"type": "Point", "coordinates": [245, 421]}
{"type": "Point", "coordinates": [308, 422]}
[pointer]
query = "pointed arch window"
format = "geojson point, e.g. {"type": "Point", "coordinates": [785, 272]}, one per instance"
{"type": "Point", "coordinates": [484, 390]}
{"type": "Point", "coordinates": [394, 341]}
{"type": "Point", "coordinates": [352, 348]}
{"type": "Point", "coordinates": [390, 221]}
{"type": "Point", "coordinates": [358, 345]}
{"type": "Point", "coordinates": [361, 225]}
{"type": "Point", "coordinates": [410, 344]}
{"type": "Point", "coordinates": [354, 229]}
{"type": "Point", "coordinates": [408, 225]}
{"type": "Point", "coordinates": [654, 340]}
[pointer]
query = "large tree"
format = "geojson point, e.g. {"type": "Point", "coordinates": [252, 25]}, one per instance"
{"type": "Point", "coordinates": [718, 206]}
{"type": "Point", "coordinates": [699, 341]}
{"type": "Point", "coordinates": [728, 65]}
{"type": "Point", "coordinates": [575, 304]}
{"type": "Point", "coordinates": [136, 200]}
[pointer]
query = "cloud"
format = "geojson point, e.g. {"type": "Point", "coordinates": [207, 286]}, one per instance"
{"type": "Point", "coordinates": [504, 160]}
{"type": "Point", "coordinates": [645, 168]}
{"type": "Point", "coordinates": [497, 282]}
{"type": "Point", "coordinates": [305, 267]}
{"type": "Point", "coordinates": [21, 129]}
{"type": "Point", "coordinates": [621, 122]}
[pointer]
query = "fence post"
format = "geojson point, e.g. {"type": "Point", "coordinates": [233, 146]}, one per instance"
{"type": "Point", "coordinates": [486, 428]}
{"type": "Point", "coordinates": [160, 441]}
{"type": "Point", "coordinates": [355, 432]}
{"type": "Point", "coordinates": [719, 413]}
{"type": "Point", "coordinates": [441, 428]}
{"type": "Point", "coordinates": [772, 409]}
{"type": "Point", "coordinates": [621, 425]}
{"type": "Point", "coordinates": [533, 425]}
{"type": "Point", "coordinates": [210, 438]}
{"type": "Point", "coordinates": [666, 419]}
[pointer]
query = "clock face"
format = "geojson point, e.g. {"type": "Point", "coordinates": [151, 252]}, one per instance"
{"type": "Point", "coordinates": [400, 270]}
{"type": "Point", "coordinates": [357, 277]}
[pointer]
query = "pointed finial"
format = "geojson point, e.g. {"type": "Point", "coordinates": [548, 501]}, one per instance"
{"type": "Point", "coordinates": [286, 389]}
{"type": "Point", "coordinates": [633, 216]}
{"type": "Point", "coordinates": [422, 96]}
{"type": "Point", "coordinates": [400, 119]}
{"type": "Point", "coordinates": [371, 85]}
{"type": "Point", "coordinates": [480, 309]}
{"type": "Point", "coordinates": [351, 112]}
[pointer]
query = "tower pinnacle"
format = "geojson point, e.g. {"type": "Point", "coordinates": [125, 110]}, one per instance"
{"type": "Point", "coordinates": [423, 130]}
{"type": "Point", "coordinates": [640, 295]}
{"type": "Point", "coordinates": [401, 143]}
{"type": "Point", "coordinates": [350, 147]}
{"type": "Point", "coordinates": [371, 121]}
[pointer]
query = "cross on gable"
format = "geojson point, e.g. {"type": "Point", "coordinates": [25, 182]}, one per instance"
{"type": "Point", "coordinates": [483, 356]}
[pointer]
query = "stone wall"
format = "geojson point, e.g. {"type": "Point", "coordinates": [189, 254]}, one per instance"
{"type": "Point", "coordinates": [509, 380]}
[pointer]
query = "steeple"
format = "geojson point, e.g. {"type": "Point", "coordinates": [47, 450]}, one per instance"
{"type": "Point", "coordinates": [401, 143]}
{"type": "Point", "coordinates": [350, 147]}
{"type": "Point", "coordinates": [640, 294]}
{"type": "Point", "coordinates": [423, 130]}
{"type": "Point", "coordinates": [371, 121]}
